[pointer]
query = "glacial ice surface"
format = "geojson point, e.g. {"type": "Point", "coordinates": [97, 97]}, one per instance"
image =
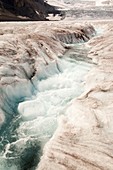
{"type": "Point", "coordinates": [38, 116]}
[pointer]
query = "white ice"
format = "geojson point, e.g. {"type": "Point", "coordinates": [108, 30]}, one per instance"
{"type": "Point", "coordinates": [54, 94]}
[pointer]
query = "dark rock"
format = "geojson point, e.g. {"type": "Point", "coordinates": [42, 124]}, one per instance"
{"type": "Point", "coordinates": [25, 10]}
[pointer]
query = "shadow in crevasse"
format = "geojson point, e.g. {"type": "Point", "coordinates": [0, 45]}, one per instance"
{"type": "Point", "coordinates": [24, 158]}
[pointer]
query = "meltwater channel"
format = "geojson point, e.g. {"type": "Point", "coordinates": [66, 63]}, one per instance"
{"type": "Point", "coordinates": [58, 84]}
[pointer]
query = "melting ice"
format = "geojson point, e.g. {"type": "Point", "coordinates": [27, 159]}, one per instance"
{"type": "Point", "coordinates": [56, 88]}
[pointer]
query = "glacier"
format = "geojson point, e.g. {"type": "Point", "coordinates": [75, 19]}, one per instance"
{"type": "Point", "coordinates": [39, 81]}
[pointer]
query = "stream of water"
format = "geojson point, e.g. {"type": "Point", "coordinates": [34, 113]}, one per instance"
{"type": "Point", "coordinates": [22, 145]}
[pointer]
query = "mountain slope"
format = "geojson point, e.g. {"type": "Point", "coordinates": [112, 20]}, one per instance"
{"type": "Point", "coordinates": [24, 10]}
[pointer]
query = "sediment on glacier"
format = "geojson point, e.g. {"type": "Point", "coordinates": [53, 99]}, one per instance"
{"type": "Point", "coordinates": [83, 139]}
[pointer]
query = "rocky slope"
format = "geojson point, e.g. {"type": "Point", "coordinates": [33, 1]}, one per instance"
{"type": "Point", "coordinates": [25, 10]}
{"type": "Point", "coordinates": [47, 10]}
